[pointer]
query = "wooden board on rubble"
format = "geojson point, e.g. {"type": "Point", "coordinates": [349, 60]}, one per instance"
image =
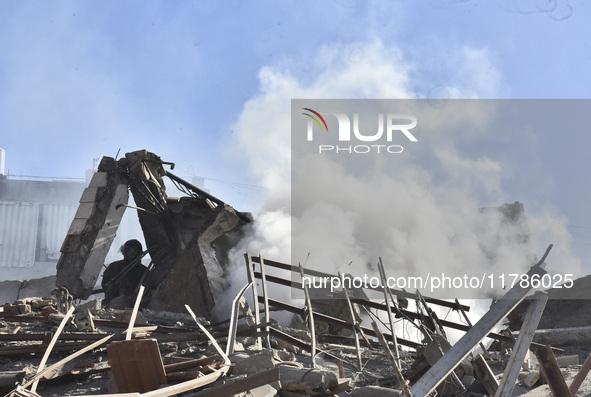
{"type": "Point", "coordinates": [136, 365]}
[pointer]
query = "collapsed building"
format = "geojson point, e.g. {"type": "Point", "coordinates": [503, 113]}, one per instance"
{"type": "Point", "coordinates": [161, 354]}
{"type": "Point", "coordinates": [326, 351]}
{"type": "Point", "coordinates": [187, 238]}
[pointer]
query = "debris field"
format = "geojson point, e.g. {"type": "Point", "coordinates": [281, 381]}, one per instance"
{"type": "Point", "coordinates": [167, 341]}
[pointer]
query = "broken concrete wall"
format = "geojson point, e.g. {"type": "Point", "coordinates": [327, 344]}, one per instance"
{"type": "Point", "coordinates": [93, 229]}
{"type": "Point", "coordinates": [13, 290]}
{"type": "Point", "coordinates": [197, 277]}
{"type": "Point", "coordinates": [188, 238]}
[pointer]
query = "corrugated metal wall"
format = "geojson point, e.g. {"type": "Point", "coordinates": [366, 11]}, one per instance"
{"type": "Point", "coordinates": [32, 231]}
{"type": "Point", "coordinates": [18, 233]}
{"type": "Point", "coordinates": [56, 222]}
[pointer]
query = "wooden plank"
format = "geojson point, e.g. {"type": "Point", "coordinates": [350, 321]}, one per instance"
{"type": "Point", "coordinates": [189, 363]}
{"type": "Point", "coordinates": [468, 322]}
{"type": "Point", "coordinates": [552, 373]}
{"type": "Point", "coordinates": [59, 330]}
{"type": "Point", "coordinates": [442, 368]}
{"type": "Point", "coordinates": [521, 347]}
{"type": "Point", "coordinates": [574, 386]}
{"type": "Point", "coordinates": [136, 365]}
{"type": "Point", "coordinates": [67, 359]}
{"type": "Point", "coordinates": [392, 360]}
{"type": "Point", "coordinates": [136, 307]}
{"type": "Point", "coordinates": [485, 374]}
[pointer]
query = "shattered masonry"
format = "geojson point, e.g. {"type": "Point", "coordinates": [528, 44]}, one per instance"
{"type": "Point", "coordinates": [187, 237]}
{"type": "Point", "coordinates": [261, 358]}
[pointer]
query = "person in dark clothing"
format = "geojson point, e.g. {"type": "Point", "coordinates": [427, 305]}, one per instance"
{"type": "Point", "coordinates": [121, 278]}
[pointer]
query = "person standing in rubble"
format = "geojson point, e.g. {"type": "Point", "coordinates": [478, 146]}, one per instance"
{"type": "Point", "coordinates": [122, 278]}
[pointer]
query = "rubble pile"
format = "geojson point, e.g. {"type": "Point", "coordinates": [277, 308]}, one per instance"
{"type": "Point", "coordinates": [359, 341]}
{"type": "Point", "coordinates": [91, 350]}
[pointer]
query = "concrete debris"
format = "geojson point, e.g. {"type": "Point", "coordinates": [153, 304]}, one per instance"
{"type": "Point", "coordinates": [531, 379]}
{"type": "Point", "coordinates": [254, 363]}
{"type": "Point", "coordinates": [159, 360]}
{"type": "Point", "coordinates": [13, 290]}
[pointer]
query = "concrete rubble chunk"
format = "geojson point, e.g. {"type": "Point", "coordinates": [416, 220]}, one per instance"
{"type": "Point", "coordinates": [531, 379]}
{"type": "Point", "coordinates": [254, 363]}
{"type": "Point", "coordinates": [567, 361]}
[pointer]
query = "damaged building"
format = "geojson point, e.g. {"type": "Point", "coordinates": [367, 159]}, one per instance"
{"type": "Point", "coordinates": [187, 238]}
{"type": "Point", "coordinates": [371, 340]}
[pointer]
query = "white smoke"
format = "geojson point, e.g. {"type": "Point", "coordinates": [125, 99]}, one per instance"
{"type": "Point", "coordinates": [422, 218]}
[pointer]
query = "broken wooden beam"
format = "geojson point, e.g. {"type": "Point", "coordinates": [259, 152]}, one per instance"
{"type": "Point", "coordinates": [210, 337]}
{"type": "Point", "coordinates": [59, 330]}
{"type": "Point", "coordinates": [576, 383]}
{"type": "Point", "coordinates": [564, 336]}
{"type": "Point", "coordinates": [392, 360]}
{"type": "Point", "coordinates": [442, 368]}
{"type": "Point", "coordinates": [67, 359]}
{"type": "Point", "coordinates": [521, 347]}
{"type": "Point", "coordinates": [485, 375]}
{"type": "Point", "coordinates": [552, 373]}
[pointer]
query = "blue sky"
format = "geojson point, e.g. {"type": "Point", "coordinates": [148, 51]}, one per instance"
{"type": "Point", "coordinates": [84, 79]}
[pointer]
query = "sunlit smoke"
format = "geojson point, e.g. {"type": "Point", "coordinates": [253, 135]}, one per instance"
{"type": "Point", "coordinates": [427, 215]}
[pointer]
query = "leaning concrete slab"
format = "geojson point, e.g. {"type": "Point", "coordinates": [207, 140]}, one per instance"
{"type": "Point", "coordinates": [93, 230]}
